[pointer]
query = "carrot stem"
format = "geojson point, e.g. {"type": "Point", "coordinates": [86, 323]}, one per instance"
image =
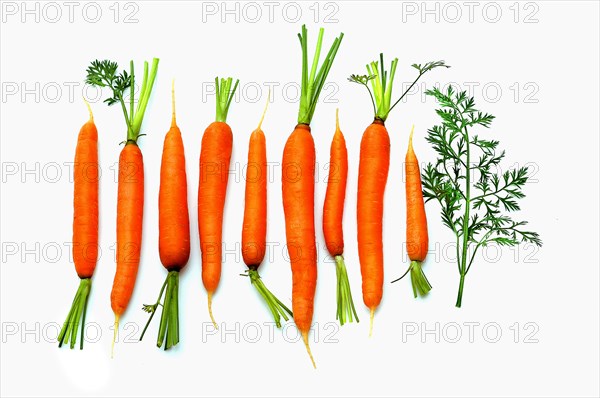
{"type": "Point", "coordinates": [136, 120]}
{"type": "Point", "coordinates": [151, 309]}
{"type": "Point", "coordinates": [224, 97]}
{"type": "Point", "coordinates": [313, 84]}
{"type": "Point", "coordinates": [168, 332]}
{"type": "Point", "coordinates": [460, 290]}
{"type": "Point", "coordinates": [77, 312]}
{"type": "Point", "coordinates": [83, 319]}
{"type": "Point", "coordinates": [382, 85]}
{"type": "Point", "coordinates": [175, 312]}
{"type": "Point", "coordinates": [131, 88]}
{"type": "Point", "coordinates": [345, 304]}
{"type": "Point", "coordinates": [278, 309]}
{"type": "Point", "coordinates": [403, 275]}
{"type": "Point", "coordinates": [420, 284]}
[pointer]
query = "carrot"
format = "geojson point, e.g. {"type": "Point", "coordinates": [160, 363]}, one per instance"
{"type": "Point", "coordinates": [173, 232]}
{"type": "Point", "coordinates": [254, 229]}
{"type": "Point", "coordinates": [85, 227]}
{"type": "Point", "coordinates": [298, 187]}
{"type": "Point", "coordinates": [333, 212]}
{"type": "Point", "coordinates": [373, 170]}
{"type": "Point", "coordinates": [130, 192]}
{"type": "Point", "coordinates": [215, 155]}
{"type": "Point", "coordinates": [417, 238]}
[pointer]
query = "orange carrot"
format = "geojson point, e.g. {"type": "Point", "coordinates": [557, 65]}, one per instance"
{"type": "Point", "coordinates": [215, 155]}
{"type": "Point", "coordinates": [173, 232]}
{"type": "Point", "coordinates": [298, 187]}
{"type": "Point", "coordinates": [130, 211]}
{"type": "Point", "coordinates": [333, 212]}
{"type": "Point", "coordinates": [417, 238]}
{"type": "Point", "coordinates": [130, 191]}
{"type": "Point", "coordinates": [254, 230]}
{"type": "Point", "coordinates": [372, 176]}
{"type": "Point", "coordinates": [85, 227]}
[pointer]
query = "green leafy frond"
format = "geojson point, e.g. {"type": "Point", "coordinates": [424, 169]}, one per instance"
{"type": "Point", "coordinates": [105, 74]}
{"type": "Point", "coordinates": [475, 199]}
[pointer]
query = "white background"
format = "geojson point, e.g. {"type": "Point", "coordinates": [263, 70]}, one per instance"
{"type": "Point", "coordinates": [552, 125]}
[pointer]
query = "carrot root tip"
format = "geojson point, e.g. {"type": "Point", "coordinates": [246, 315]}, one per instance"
{"type": "Point", "coordinates": [212, 318]}
{"type": "Point", "coordinates": [305, 339]}
{"type": "Point", "coordinates": [116, 331]}
{"type": "Point", "coordinates": [410, 137]}
{"type": "Point", "coordinates": [89, 110]}
{"type": "Point", "coordinates": [371, 322]}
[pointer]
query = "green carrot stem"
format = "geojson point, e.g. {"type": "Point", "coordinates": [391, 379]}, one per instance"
{"type": "Point", "coordinates": [313, 84]}
{"type": "Point", "coordinates": [168, 331]}
{"type": "Point", "coordinates": [224, 95]}
{"type": "Point", "coordinates": [345, 303]}
{"type": "Point", "coordinates": [278, 309]}
{"type": "Point", "coordinates": [78, 311]}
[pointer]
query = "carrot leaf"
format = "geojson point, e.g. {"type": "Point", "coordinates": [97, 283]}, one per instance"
{"type": "Point", "coordinates": [474, 199]}
{"type": "Point", "coordinates": [105, 74]}
{"type": "Point", "coordinates": [312, 84]}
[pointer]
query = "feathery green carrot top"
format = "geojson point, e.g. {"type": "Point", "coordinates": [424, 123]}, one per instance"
{"type": "Point", "coordinates": [381, 96]}
{"type": "Point", "coordinates": [224, 97]}
{"type": "Point", "coordinates": [313, 84]}
{"type": "Point", "coordinates": [475, 199]}
{"type": "Point", "coordinates": [104, 74]}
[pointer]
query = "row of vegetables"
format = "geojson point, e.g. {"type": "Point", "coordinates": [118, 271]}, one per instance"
{"type": "Point", "coordinates": [474, 199]}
